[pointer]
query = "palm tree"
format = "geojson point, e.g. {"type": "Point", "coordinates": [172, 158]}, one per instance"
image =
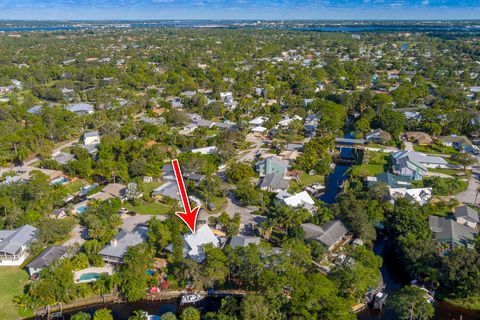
{"type": "Point", "coordinates": [138, 315]}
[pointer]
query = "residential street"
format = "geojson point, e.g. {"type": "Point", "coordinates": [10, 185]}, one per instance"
{"type": "Point", "coordinates": [470, 195]}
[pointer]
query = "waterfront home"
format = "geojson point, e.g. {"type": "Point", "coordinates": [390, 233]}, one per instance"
{"type": "Point", "coordinates": [114, 251]}
{"type": "Point", "coordinates": [243, 241]}
{"type": "Point", "coordinates": [378, 136]}
{"type": "Point", "coordinates": [330, 234]}
{"type": "Point", "coordinates": [14, 245]}
{"type": "Point", "coordinates": [420, 158]}
{"type": "Point", "coordinates": [270, 165]}
{"type": "Point", "coordinates": [467, 216]}
{"type": "Point", "coordinates": [297, 200]}
{"type": "Point", "coordinates": [80, 108]}
{"type": "Point", "coordinates": [414, 164]}
{"type": "Point", "coordinates": [45, 259]}
{"type": "Point", "coordinates": [274, 182]}
{"type": "Point", "coordinates": [449, 232]}
{"type": "Point", "coordinates": [91, 138]}
{"type": "Point", "coordinates": [194, 243]}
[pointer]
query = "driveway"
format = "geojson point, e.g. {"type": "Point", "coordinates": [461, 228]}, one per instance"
{"type": "Point", "coordinates": [130, 222]}
{"type": "Point", "coordinates": [78, 235]}
{"type": "Point", "coordinates": [470, 195]}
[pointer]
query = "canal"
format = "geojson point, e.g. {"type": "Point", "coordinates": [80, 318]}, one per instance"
{"type": "Point", "coordinates": [393, 277]}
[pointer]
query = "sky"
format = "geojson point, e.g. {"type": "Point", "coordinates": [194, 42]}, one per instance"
{"type": "Point", "coordinates": [238, 9]}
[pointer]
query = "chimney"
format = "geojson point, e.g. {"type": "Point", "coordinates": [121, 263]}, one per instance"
{"type": "Point", "coordinates": [113, 243]}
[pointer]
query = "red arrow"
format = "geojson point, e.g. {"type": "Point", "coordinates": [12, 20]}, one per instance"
{"type": "Point", "coordinates": [189, 216]}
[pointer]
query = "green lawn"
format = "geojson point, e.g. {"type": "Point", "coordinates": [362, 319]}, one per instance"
{"type": "Point", "coordinates": [149, 187]}
{"type": "Point", "coordinates": [149, 208]}
{"type": "Point", "coordinates": [220, 205]}
{"type": "Point", "coordinates": [75, 186]}
{"type": "Point", "coordinates": [12, 281]}
{"type": "Point", "coordinates": [452, 172]}
{"type": "Point", "coordinates": [305, 181]}
{"type": "Point", "coordinates": [435, 149]}
{"type": "Point", "coordinates": [373, 164]}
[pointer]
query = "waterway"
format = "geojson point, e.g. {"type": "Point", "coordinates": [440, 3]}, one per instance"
{"type": "Point", "coordinates": [393, 278]}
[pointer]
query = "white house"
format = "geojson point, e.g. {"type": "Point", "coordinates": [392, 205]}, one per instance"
{"type": "Point", "coordinates": [259, 130]}
{"type": "Point", "coordinates": [194, 243]}
{"type": "Point", "coordinates": [206, 150]}
{"type": "Point", "coordinates": [91, 138]}
{"type": "Point", "coordinates": [301, 199]}
{"type": "Point", "coordinates": [258, 121]}
{"type": "Point", "coordinates": [14, 245]}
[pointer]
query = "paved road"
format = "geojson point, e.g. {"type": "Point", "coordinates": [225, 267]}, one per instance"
{"type": "Point", "coordinates": [470, 195]}
{"type": "Point", "coordinates": [249, 155]}
{"type": "Point", "coordinates": [54, 151]}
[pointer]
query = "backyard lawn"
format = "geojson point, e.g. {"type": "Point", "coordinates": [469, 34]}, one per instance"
{"type": "Point", "coordinates": [373, 164]}
{"type": "Point", "coordinates": [75, 186]}
{"type": "Point", "coordinates": [12, 281]}
{"type": "Point", "coordinates": [435, 149]}
{"type": "Point", "coordinates": [149, 208]}
{"type": "Point", "coordinates": [305, 181]}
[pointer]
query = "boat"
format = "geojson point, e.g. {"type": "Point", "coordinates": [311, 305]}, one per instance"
{"type": "Point", "coordinates": [191, 298]}
{"type": "Point", "coordinates": [150, 316]}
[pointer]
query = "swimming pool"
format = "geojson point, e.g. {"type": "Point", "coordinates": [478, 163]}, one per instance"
{"type": "Point", "coordinates": [150, 272]}
{"type": "Point", "coordinates": [89, 276]}
{"type": "Point", "coordinates": [81, 209]}
{"type": "Point", "coordinates": [59, 181]}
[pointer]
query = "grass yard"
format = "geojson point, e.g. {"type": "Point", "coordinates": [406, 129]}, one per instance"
{"type": "Point", "coordinates": [452, 172]}
{"type": "Point", "coordinates": [149, 208]}
{"type": "Point", "coordinates": [75, 186]}
{"type": "Point", "coordinates": [373, 164]}
{"type": "Point", "coordinates": [435, 149]}
{"type": "Point", "coordinates": [220, 205]}
{"type": "Point", "coordinates": [12, 281]}
{"type": "Point", "coordinates": [305, 181]}
{"type": "Point", "coordinates": [149, 187]}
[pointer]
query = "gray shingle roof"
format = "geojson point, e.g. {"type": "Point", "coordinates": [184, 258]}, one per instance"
{"type": "Point", "coordinates": [274, 181]}
{"type": "Point", "coordinates": [169, 189]}
{"type": "Point", "coordinates": [122, 241]}
{"type": "Point", "coordinates": [16, 239]}
{"type": "Point", "coordinates": [467, 213]}
{"type": "Point", "coordinates": [243, 241]}
{"type": "Point", "coordinates": [47, 257]}
{"type": "Point", "coordinates": [328, 234]}
{"type": "Point", "coordinates": [449, 231]}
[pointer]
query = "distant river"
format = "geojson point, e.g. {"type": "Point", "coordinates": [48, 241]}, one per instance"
{"type": "Point", "coordinates": [353, 27]}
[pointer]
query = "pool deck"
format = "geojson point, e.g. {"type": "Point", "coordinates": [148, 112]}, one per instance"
{"type": "Point", "coordinates": [77, 274]}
